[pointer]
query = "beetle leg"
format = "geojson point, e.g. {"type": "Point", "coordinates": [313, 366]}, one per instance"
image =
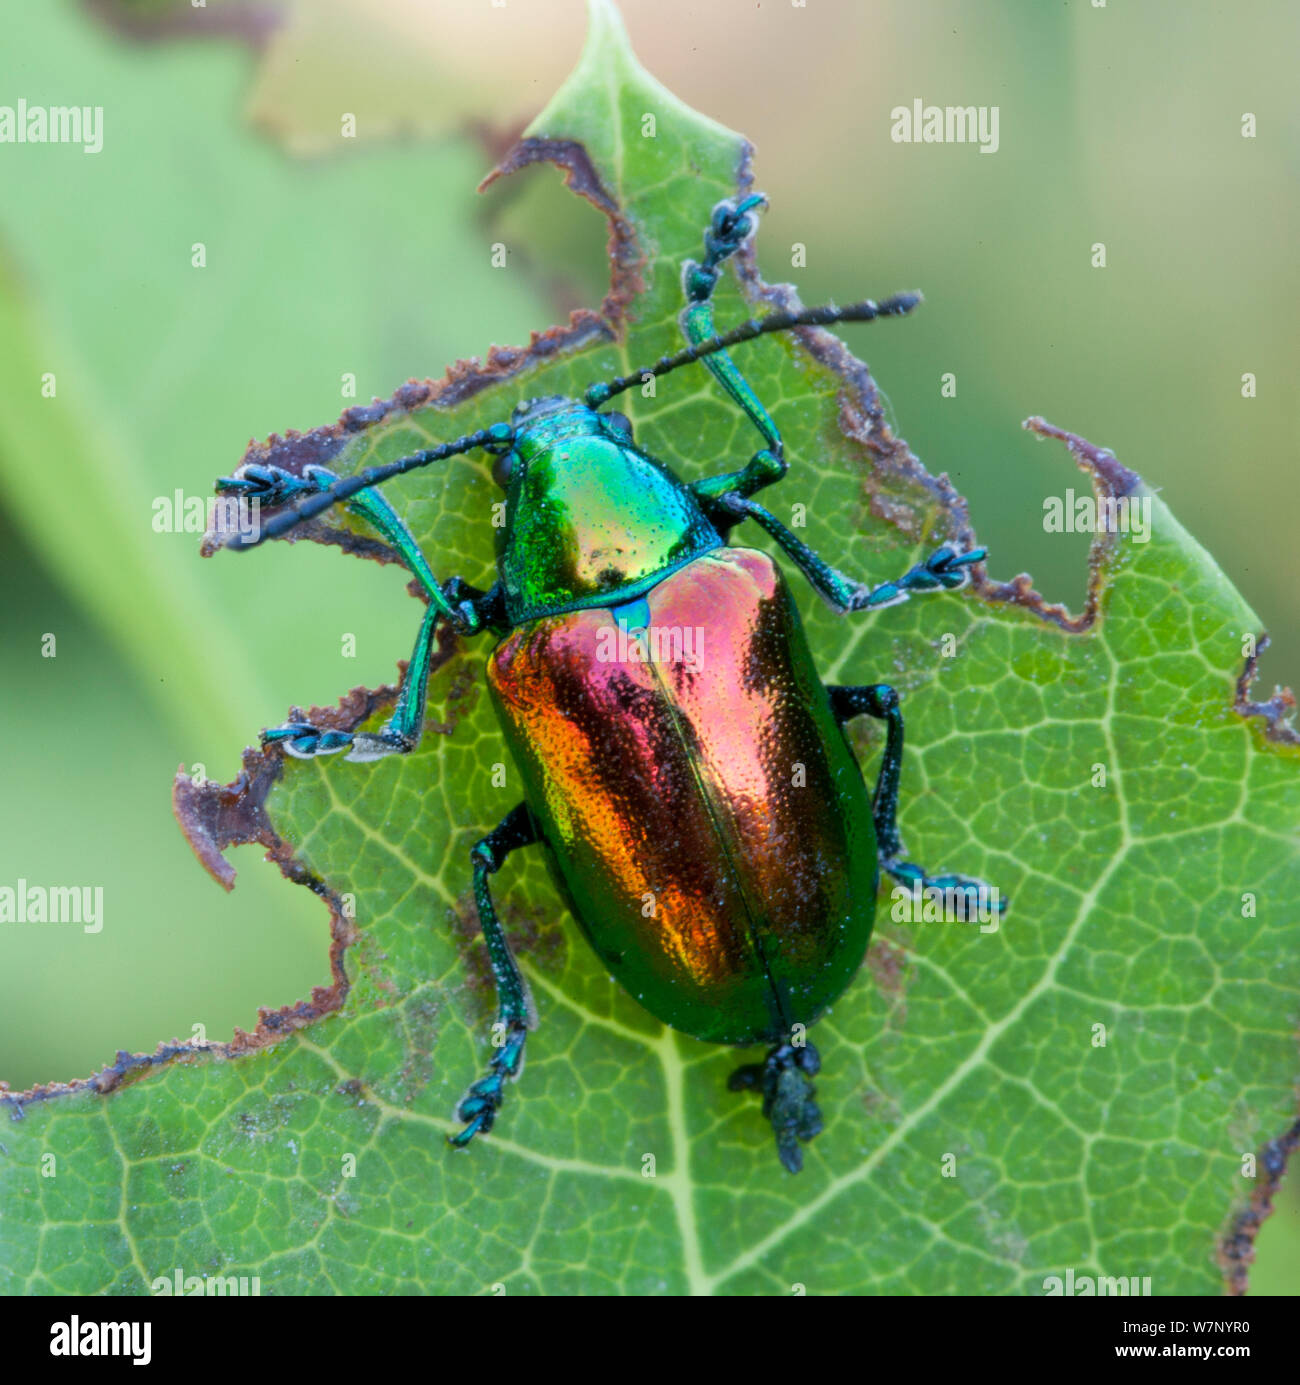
{"type": "Point", "coordinates": [481, 1103]}
{"type": "Point", "coordinates": [401, 733]}
{"type": "Point", "coordinates": [944, 569]}
{"type": "Point", "coordinates": [763, 468]}
{"type": "Point", "coordinates": [881, 701]}
{"type": "Point", "coordinates": [729, 228]}
{"type": "Point", "coordinates": [785, 1080]}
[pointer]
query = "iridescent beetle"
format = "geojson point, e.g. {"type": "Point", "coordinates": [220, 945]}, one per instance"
{"type": "Point", "coordinates": [723, 788]}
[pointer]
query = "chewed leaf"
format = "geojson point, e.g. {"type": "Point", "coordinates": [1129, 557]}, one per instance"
{"type": "Point", "coordinates": [1076, 1087]}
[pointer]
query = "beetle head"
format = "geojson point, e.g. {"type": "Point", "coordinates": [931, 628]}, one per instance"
{"type": "Point", "coordinates": [540, 422]}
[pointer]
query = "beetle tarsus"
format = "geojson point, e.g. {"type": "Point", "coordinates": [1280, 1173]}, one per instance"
{"type": "Point", "coordinates": [729, 227]}
{"type": "Point", "coordinates": [785, 1081]}
{"type": "Point", "coordinates": [481, 1103]}
{"type": "Point", "coordinates": [945, 567]}
{"type": "Point", "coordinates": [977, 892]}
{"type": "Point", "coordinates": [944, 570]}
{"type": "Point", "coordinates": [304, 741]}
{"type": "Point", "coordinates": [268, 485]}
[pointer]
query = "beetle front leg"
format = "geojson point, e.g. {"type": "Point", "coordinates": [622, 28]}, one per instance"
{"type": "Point", "coordinates": [483, 1100]}
{"type": "Point", "coordinates": [729, 227]}
{"type": "Point", "coordinates": [273, 485]}
{"type": "Point", "coordinates": [881, 701]}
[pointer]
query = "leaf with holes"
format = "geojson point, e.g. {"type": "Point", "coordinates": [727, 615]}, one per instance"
{"type": "Point", "coordinates": [1103, 1085]}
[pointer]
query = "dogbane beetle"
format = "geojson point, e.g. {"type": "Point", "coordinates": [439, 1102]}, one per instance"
{"type": "Point", "coordinates": [653, 775]}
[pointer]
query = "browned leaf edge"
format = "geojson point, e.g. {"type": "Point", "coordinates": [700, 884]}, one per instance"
{"type": "Point", "coordinates": [1237, 1248]}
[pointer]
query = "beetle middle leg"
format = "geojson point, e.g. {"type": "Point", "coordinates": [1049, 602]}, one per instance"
{"type": "Point", "coordinates": [465, 608]}
{"type": "Point", "coordinates": [401, 733]}
{"type": "Point", "coordinates": [881, 701]}
{"type": "Point", "coordinates": [481, 1103]}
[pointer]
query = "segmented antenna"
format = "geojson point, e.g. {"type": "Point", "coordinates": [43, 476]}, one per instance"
{"type": "Point", "coordinates": [866, 311]}
{"type": "Point", "coordinates": [499, 434]}
{"type": "Point", "coordinates": [502, 435]}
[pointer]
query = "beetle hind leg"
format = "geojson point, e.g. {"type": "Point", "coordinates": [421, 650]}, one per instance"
{"type": "Point", "coordinates": [479, 1107]}
{"type": "Point", "coordinates": [881, 701]}
{"type": "Point", "coordinates": [784, 1079]}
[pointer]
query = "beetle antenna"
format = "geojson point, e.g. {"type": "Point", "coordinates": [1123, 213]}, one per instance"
{"type": "Point", "coordinates": [498, 435]}
{"type": "Point", "coordinates": [866, 311]}
{"type": "Point", "coordinates": [502, 435]}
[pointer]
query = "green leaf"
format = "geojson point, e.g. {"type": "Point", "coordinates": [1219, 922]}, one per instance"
{"type": "Point", "coordinates": [311, 1153]}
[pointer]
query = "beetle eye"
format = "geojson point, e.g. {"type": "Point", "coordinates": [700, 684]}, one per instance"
{"type": "Point", "coordinates": [503, 467]}
{"type": "Point", "coordinates": [618, 423]}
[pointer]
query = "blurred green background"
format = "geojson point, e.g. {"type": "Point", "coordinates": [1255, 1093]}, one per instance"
{"type": "Point", "coordinates": [371, 257]}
